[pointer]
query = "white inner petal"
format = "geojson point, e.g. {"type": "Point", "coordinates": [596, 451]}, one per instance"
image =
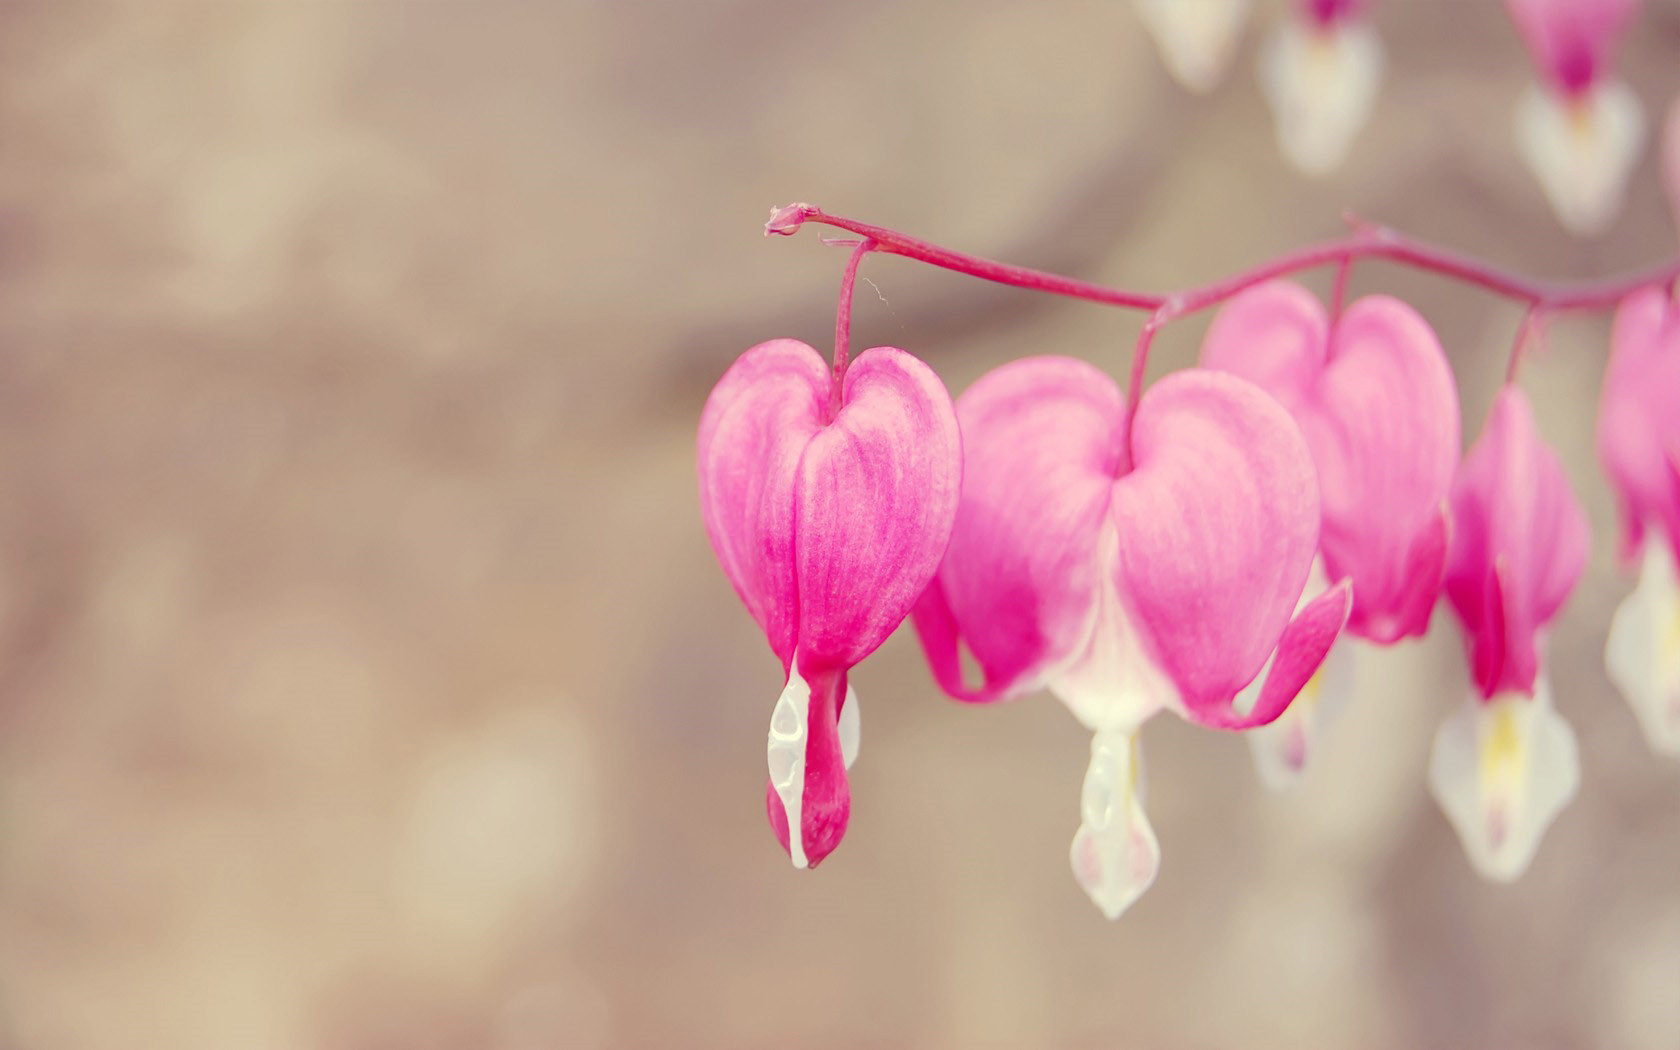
{"type": "Point", "coordinates": [1112, 683]}
{"type": "Point", "coordinates": [1582, 151]}
{"type": "Point", "coordinates": [849, 727]}
{"type": "Point", "coordinates": [1642, 654]}
{"type": "Point", "coordinates": [1115, 855]}
{"type": "Point", "coordinates": [1321, 83]}
{"type": "Point", "coordinates": [785, 753]}
{"type": "Point", "coordinates": [1196, 39]}
{"type": "Point", "coordinates": [1502, 770]}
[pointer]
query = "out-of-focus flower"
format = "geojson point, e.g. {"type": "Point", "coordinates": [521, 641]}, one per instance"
{"type": "Point", "coordinates": [829, 510]}
{"type": "Point", "coordinates": [1639, 443]}
{"type": "Point", "coordinates": [1128, 580]}
{"type": "Point", "coordinates": [1196, 40]}
{"type": "Point", "coordinates": [1319, 69]}
{"type": "Point", "coordinates": [1505, 764]}
{"type": "Point", "coordinates": [1579, 129]}
{"type": "Point", "coordinates": [1375, 400]}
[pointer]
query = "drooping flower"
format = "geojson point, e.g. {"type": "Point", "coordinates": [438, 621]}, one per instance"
{"type": "Point", "coordinates": [1639, 443]}
{"type": "Point", "coordinates": [1195, 40]}
{"type": "Point", "coordinates": [1319, 70]}
{"type": "Point", "coordinates": [1505, 764]}
{"type": "Point", "coordinates": [1375, 400]}
{"type": "Point", "coordinates": [1128, 581]}
{"type": "Point", "coordinates": [829, 510]}
{"type": "Point", "coordinates": [1579, 129]}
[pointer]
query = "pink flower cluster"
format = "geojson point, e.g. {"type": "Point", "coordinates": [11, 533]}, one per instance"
{"type": "Point", "coordinates": [1198, 547]}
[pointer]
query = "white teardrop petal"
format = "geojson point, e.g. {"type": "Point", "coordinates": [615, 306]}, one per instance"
{"type": "Point", "coordinates": [785, 755]}
{"type": "Point", "coordinates": [1502, 770]}
{"type": "Point", "coordinates": [1195, 39]}
{"type": "Point", "coordinates": [1642, 653]}
{"type": "Point", "coordinates": [1582, 151]}
{"type": "Point", "coordinates": [849, 727]}
{"type": "Point", "coordinates": [1115, 855]}
{"type": "Point", "coordinates": [1321, 84]}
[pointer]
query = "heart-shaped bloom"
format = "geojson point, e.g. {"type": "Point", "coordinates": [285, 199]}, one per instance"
{"type": "Point", "coordinates": [1195, 40]}
{"type": "Point", "coordinates": [1126, 585]}
{"type": "Point", "coordinates": [1319, 70]}
{"type": "Point", "coordinates": [829, 511]}
{"type": "Point", "coordinates": [1375, 400]}
{"type": "Point", "coordinates": [1639, 443]}
{"type": "Point", "coordinates": [1505, 765]}
{"type": "Point", "coordinates": [1579, 129]}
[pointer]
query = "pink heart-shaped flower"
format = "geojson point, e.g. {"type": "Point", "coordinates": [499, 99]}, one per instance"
{"type": "Point", "coordinates": [1168, 585]}
{"type": "Point", "coordinates": [1375, 399]}
{"type": "Point", "coordinates": [829, 524]}
{"type": "Point", "coordinates": [1519, 543]}
{"type": "Point", "coordinates": [1639, 417]}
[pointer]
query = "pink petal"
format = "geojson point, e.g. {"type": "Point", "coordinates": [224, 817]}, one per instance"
{"type": "Point", "coordinates": [1519, 543]}
{"type": "Point", "coordinates": [876, 498]}
{"type": "Point", "coordinates": [1639, 417]}
{"type": "Point", "coordinates": [1377, 405]}
{"type": "Point", "coordinates": [1040, 454]}
{"type": "Point", "coordinates": [828, 530]}
{"type": "Point", "coordinates": [1300, 653]}
{"type": "Point", "coordinates": [1571, 40]}
{"type": "Point", "coordinates": [754, 429]}
{"type": "Point", "coordinates": [1218, 523]}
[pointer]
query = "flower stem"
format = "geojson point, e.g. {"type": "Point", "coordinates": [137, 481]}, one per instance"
{"type": "Point", "coordinates": [1365, 242]}
{"type": "Point", "coordinates": [843, 320]}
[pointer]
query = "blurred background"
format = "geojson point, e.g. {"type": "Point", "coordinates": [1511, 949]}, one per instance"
{"type": "Point", "coordinates": [367, 681]}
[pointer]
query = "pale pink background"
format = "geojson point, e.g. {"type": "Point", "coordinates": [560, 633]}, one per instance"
{"type": "Point", "coordinates": [366, 681]}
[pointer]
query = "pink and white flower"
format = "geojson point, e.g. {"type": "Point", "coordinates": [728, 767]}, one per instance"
{"type": "Point", "coordinates": [1505, 765]}
{"type": "Point", "coordinates": [1375, 400]}
{"type": "Point", "coordinates": [828, 509]}
{"type": "Point", "coordinates": [1639, 444]}
{"type": "Point", "coordinates": [1129, 574]}
{"type": "Point", "coordinates": [1579, 128]}
{"type": "Point", "coordinates": [1319, 69]}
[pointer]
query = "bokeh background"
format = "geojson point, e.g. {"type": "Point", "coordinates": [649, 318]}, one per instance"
{"type": "Point", "coordinates": [366, 680]}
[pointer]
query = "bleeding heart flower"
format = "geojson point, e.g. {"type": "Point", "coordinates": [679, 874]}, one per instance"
{"type": "Point", "coordinates": [1505, 765]}
{"type": "Point", "coordinates": [1375, 400]}
{"type": "Point", "coordinates": [1128, 584]}
{"type": "Point", "coordinates": [1580, 130]}
{"type": "Point", "coordinates": [1639, 443]}
{"type": "Point", "coordinates": [829, 511]}
{"type": "Point", "coordinates": [1319, 71]}
{"type": "Point", "coordinates": [1195, 40]}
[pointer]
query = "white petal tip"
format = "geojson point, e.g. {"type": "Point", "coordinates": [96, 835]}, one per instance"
{"type": "Point", "coordinates": [1582, 151]}
{"type": "Point", "coordinates": [1642, 653]}
{"type": "Point", "coordinates": [1502, 770]}
{"type": "Point", "coordinates": [1114, 855]}
{"type": "Point", "coordinates": [1196, 40]}
{"type": "Point", "coordinates": [1321, 85]}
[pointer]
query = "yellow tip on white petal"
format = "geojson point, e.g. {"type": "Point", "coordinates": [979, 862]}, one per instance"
{"type": "Point", "coordinates": [1502, 770]}
{"type": "Point", "coordinates": [1642, 654]}
{"type": "Point", "coordinates": [1321, 84]}
{"type": "Point", "coordinates": [1196, 40]}
{"type": "Point", "coordinates": [1115, 855]}
{"type": "Point", "coordinates": [786, 757]}
{"type": "Point", "coordinates": [1582, 151]}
